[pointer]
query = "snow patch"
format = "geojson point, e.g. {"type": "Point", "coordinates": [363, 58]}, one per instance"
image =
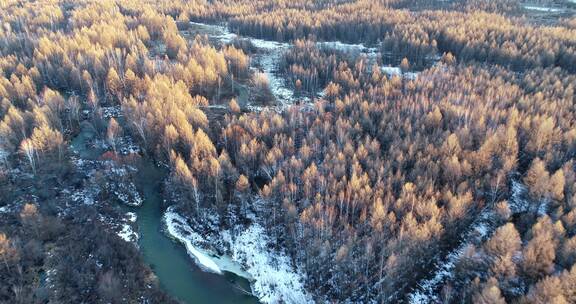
{"type": "Point", "coordinates": [111, 112]}
{"type": "Point", "coordinates": [392, 71]}
{"type": "Point", "coordinates": [221, 32]}
{"type": "Point", "coordinates": [128, 234]}
{"type": "Point", "coordinates": [275, 280]}
{"type": "Point", "coordinates": [85, 196]}
{"type": "Point", "coordinates": [123, 227]}
{"type": "Point", "coordinates": [371, 52]}
{"type": "Point", "coordinates": [518, 202]}
{"type": "Point", "coordinates": [396, 71]}
{"type": "Point", "coordinates": [131, 217]}
{"type": "Point", "coordinates": [544, 9]}
{"type": "Point", "coordinates": [268, 44]}
{"type": "Point", "coordinates": [178, 228]}
{"type": "Point", "coordinates": [273, 52]}
{"type": "Point", "coordinates": [3, 157]}
{"type": "Point", "coordinates": [215, 106]}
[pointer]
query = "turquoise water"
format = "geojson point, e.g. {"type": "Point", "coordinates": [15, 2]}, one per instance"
{"type": "Point", "coordinates": [175, 269]}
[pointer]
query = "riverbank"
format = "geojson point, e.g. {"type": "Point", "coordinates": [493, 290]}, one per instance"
{"type": "Point", "coordinates": [272, 276]}
{"type": "Point", "coordinates": [247, 247]}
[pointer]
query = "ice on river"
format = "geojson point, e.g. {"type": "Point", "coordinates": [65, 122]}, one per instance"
{"type": "Point", "coordinates": [273, 279]}
{"type": "Point", "coordinates": [178, 229]}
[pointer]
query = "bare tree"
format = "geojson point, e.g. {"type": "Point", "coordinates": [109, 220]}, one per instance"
{"type": "Point", "coordinates": [27, 148]}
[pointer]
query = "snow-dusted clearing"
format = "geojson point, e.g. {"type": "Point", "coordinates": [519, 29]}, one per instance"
{"type": "Point", "coordinates": [131, 217]}
{"type": "Point", "coordinates": [348, 47]}
{"type": "Point", "coordinates": [118, 184]}
{"type": "Point", "coordinates": [85, 196]}
{"type": "Point", "coordinates": [111, 112]}
{"type": "Point", "coordinates": [277, 84]}
{"type": "Point", "coordinates": [271, 53]}
{"type": "Point", "coordinates": [218, 32]}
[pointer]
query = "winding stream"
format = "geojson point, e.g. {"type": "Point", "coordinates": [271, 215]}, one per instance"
{"type": "Point", "coordinates": [176, 271]}
{"type": "Point", "coordinates": [178, 275]}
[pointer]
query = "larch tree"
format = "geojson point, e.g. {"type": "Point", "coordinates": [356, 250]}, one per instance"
{"type": "Point", "coordinates": [112, 133]}
{"type": "Point", "coordinates": [27, 148]}
{"type": "Point", "coordinates": [490, 294]}
{"type": "Point", "coordinates": [113, 84]}
{"type": "Point", "coordinates": [234, 107]}
{"type": "Point", "coordinates": [537, 179]}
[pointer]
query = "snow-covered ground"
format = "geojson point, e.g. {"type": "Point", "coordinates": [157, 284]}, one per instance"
{"type": "Point", "coordinates": [349, 47]}
{"type": "Point", "coordinates": [177, 228]}
{"type": "Point", "coordinates": [112, 111]}
{"type": "Point", "coordinates": [275, 280]}
{"type": "Point", "coordinates": [518, 202]}
{"type": "Point", "coordinates": [3, 157]}
{"type": "Point", "coordinates": [269, 63]}
{"type": "Point", "coordinates": [219, 32]}
{"type": "Point", "coordinates": [125, 192]}
{"type": "Point", "coordinates": [272, 52]}
{"type": "Point", "coordinates": [481, 229]}
{"type": "Point", "coordinates": [123, 226]}
{"type": "Point", "coordinates": [127, 233]}
{"type": "Point", "coordinates": [271, 274]}
{"type": "Point", "coordinates": [396, 71]}
{"type": "Point", "coordinates": [426, 292]}
{"type": "Point", "coordinates": [85, 196]}
{"type": "Point", "coordinates": [216, 106]}
{"type": "Point", "coordinates": [544, 9]}
{"type": "Point", "coordinates": [118, 184]}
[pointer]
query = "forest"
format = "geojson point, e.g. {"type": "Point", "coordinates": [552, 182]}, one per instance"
{"type": "Point", "coordinates": [335, 151]}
